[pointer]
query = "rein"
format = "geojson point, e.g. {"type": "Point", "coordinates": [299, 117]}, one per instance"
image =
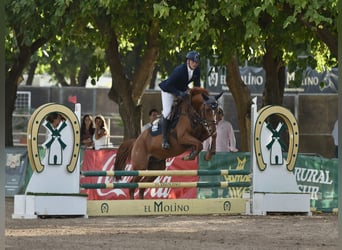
{"type": "Point", "coordinates": [206, 124]}
{"type": "Point", "coordinates": [199, 119]}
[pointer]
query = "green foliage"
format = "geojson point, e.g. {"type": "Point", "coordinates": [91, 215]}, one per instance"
{"type": "Point", "coordinates": [217, 28]}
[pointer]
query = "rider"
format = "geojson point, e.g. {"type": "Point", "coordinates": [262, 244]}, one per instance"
{"type": "Point", "coordinates": [177, 85]}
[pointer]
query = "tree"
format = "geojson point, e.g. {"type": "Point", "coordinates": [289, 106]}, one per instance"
{"type": "Point", "coordinates": [135, 42]}
{"type": "Point", "coordinates": [270, 32]}
{"type": "Point", "coordinates": [31, 24]}
{"type": "Point", "coordinates": [142, 33]}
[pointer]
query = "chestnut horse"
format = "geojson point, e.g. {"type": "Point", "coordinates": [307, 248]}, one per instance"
{"type": "Point", "coordinates": [196, 122]}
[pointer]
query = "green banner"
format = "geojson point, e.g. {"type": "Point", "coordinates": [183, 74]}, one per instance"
{"type": "Point", "coordinates": [230, 161]}
{"type": "Point", "coordinates": [319, 177]}
{"type": "Point", "coordinates": [314, 174]}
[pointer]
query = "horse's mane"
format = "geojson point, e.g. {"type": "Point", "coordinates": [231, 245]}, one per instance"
{"type": "Point", "coordinates": [198, 90]}
{"type": "Point", "coordinates": [196, 97]}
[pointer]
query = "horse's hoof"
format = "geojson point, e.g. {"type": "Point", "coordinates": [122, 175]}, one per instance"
{"type": "Point", "coordinates": [208, 156]}
{"type": "Point", "coordinates": [185, 158]}
{"type": "Point", "coordinates": [189, 157]}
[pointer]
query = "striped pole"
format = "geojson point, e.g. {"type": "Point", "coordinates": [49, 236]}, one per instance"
{"type": "Point", "coordinates": [166, 172]}
{"type": "Point", "coordinates": [223, 184]}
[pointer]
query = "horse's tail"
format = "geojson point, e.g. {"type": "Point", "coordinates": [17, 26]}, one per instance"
{"type": "Point", "coordinates": [123, 155]}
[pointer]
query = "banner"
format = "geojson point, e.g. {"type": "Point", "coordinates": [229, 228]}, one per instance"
{"type": "Point", "coordinates": [315, 175]}
{"type": "Point", "coordinates": [223, 160]}
{"type": "Point", "coordinates": [319, 177]}
{"type": "Point", "coordinates": [15, 169]}
{"type": "Point", "coordinates": [103, 160]}
{"type": "Point", "coordinates": [255, 78]}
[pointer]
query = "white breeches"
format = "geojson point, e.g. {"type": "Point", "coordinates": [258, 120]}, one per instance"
{"type": "Point", "coordinates": [167, 101]}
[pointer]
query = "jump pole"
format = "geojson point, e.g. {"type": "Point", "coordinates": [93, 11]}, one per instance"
{"type": "Point", "coordinates": [222, 184]}
{"type": "Point", "coordinates": [166, 172]}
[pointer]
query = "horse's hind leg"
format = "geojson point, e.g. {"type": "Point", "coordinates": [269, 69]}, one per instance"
{"type": "Point", "coordinates": [131, 193]}
{"type": "Point", "coordinates": [149, 179]}
{"type": "Point", "coordinates": [141, 193]}
{"type": "Point", "coordinates": [135, 179]}
{"type": "Point", "coordinates": [153, 164]}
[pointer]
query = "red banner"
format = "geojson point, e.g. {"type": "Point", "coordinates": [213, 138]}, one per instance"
{"type": "Point", "coordinates": [103, 160]}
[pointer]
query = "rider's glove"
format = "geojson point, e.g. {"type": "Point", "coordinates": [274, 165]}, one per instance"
{"type": "Point", "coordinates": [183, 94]}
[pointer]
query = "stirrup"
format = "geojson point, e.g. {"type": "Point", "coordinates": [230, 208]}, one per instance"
{"type": "Point", "coordinates": [165, 145]}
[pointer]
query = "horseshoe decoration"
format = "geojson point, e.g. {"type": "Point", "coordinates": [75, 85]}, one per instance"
{"type": "Point", "coordinates": [293, 131]}
{"type": "Point", "coordinates": [36, 120]}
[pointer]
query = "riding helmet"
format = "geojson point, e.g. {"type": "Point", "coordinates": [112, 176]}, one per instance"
{"type": "Point", "coordinates": [193, 55]}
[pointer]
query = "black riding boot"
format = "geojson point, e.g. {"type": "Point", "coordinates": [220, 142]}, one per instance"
{"type": "Point", "coordinates": [165, 127]}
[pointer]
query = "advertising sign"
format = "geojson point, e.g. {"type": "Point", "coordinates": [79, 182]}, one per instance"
{"type": "Point", "coordinates": [255, 79]}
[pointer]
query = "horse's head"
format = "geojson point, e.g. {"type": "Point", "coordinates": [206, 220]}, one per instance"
{"type": "Point", "coordinates": [211, 101]}
{"type": "Point", "coordinates": [205, 106]}
{"type": "Point", "coordinates": [208, 111]}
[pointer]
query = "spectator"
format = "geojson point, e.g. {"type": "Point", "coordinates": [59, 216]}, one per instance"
{"type": "Point", "coordinates": [55, 118]}
{"type": "Point", "coordinates": [153, 115]}
{"type": "Point", "coordinates": [334, 134]}
{"type": "Point", "coordinates": [87, 131]}
{"type": "Point", "coordinates": [55, 123]}
{"type": "Point", "coordinates": [101, 134]}
{"type": "Point", "coordinates": [225, 139]}
{"type": "Point", "coordinates": [225, 142]}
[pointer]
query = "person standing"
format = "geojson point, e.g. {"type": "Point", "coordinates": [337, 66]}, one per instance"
{"type": "Point", "coordinates": [334, 134]}
{"type": "Point", "coordinates": [101, 134]}
{"type": "Point", "coordinates": [177, 85]}
{"type": "Point", "coordinates": [87, 131]}
{"type": "Point", "coordinates": [225, 142]}
{"type": "Point", "coordinates": [225, 139]}
{"type": "Point", "coordinates": [153, 115]}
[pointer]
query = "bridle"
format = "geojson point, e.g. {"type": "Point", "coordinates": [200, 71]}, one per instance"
{"type": "Point", "coordinates": [199, 118]}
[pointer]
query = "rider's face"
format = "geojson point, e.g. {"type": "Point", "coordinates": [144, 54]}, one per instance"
{"type": "Point", "coordinates": [192, 64]}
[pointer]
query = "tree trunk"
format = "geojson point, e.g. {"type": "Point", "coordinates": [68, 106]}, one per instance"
{"type": "Point", "coordinates": [33, 66]}
{"type": "Point", "coordinates": [243, 101]}
{"type": "Point", "coordinates": [83, 75]}
{"type": "Point", "coordinates": [11, 84]}
{"type": "Point", "coordinates": [126, 92]}
{"type": "Point", "coordinates": [11, 94]}
{"type": "Point", "coordinates": [275, 79]}
{"type": "Point", "coordinates": [154, 77]}
{"type": "Point", "coordinates": [59, 75]}
{"type": "Point", "coordinates": [130, 114]}
{"type": "Point", "coordinates": [72, 77]}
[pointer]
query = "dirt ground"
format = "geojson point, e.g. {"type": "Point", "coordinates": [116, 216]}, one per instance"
{"type": "Point", "coordinates": [319, 231]}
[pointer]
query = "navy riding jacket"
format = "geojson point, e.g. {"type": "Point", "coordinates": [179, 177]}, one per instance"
{"type": "Point", "coordinates": [178, 80]}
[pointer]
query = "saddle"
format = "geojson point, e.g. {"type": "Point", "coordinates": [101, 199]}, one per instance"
{"type": "Point", "coordinates": [156, 128]}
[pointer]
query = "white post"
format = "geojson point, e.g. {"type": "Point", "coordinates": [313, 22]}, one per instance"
{"type": "Point", "coordinates": [254, 114]}
{"type": "Point", "coordinates": [77, 169]}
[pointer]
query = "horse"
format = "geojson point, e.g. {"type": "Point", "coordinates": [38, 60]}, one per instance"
{"type": "Point", "coordinates": [193, 122]}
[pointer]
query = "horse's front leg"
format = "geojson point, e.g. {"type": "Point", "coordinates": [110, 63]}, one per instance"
{"type": "Point", "coordinates": [212, 149]}
{"type": "Point", "coordinates": [187, 139]}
